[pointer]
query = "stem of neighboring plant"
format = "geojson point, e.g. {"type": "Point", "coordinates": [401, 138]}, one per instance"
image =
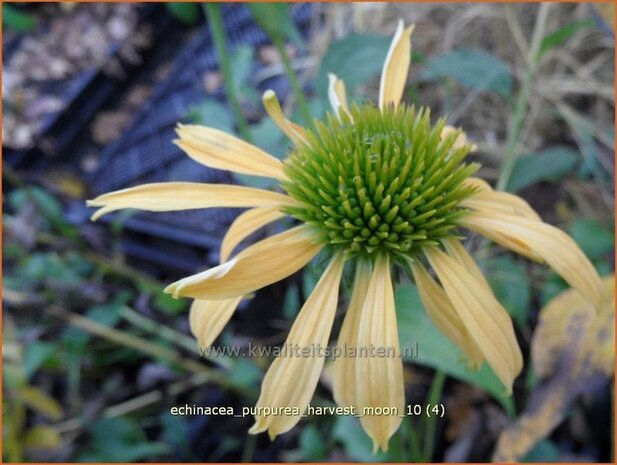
{"type": "Point", "coordinates": [279, 43]}
{"type": "Point", "coordinates": [518, 118]}
{"type": "Point", "coordinates": [213, 13]}
{"type": "Point", "coordinates": [431, 423]}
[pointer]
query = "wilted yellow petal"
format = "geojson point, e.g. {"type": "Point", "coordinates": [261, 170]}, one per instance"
{"type": "Point", "coordinates": [273, 107]}
{"type": "Point", "coordinates": [456, 250]}
{"type": "Point", "coordinates": [557, 248]}
{"type": "Point", "coordinates": [220, 150]}
{"type": "Point", "coordinates": [337, 95]}
{"type": "Point", "coordinates": [344, 368]}
{"type": "Point", "coordinates": [259, 265]}
{"type": "Point", "coordinates": [396, 67]}
{"type": "Point", "coordinates": [207, 318]}
{"type": "Point", "coordinates": [460, 141]}
{"type": "Point", "coordinates": [379, 379]}
{"type": "Point", "coordinates": [245, 225]}
{"type": "Point", "coordinates": [483, 316]}
{"type": "Point", "coordinates": [442, 314]}
{"type": "Point", "coordinates": [489, 201]}
{"type": "Point", "coordinates": [292, 377]}
{"type": "Point", "coordinates": [174, 196]}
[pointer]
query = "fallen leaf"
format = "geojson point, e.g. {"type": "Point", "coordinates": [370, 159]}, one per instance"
{"type": "Point", "coordinates": [572, 353]}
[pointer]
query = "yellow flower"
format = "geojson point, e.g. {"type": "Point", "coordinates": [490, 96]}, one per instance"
{"type": "Point", "coordinates": [374, 188]}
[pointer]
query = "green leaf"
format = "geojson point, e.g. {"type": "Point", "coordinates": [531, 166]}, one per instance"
{"type": "Point", "coordinates": [472, 69]}
{"type": "Point", "coordinates": [435, 350]}
{"type": "Point", "coordinates": [562, 34]}
{"type": "Point", "coordinates": [356, 59]}
{"type": "Point", "coordinates": [36, 354]}
{"type": "Point", "coordinates": [276, 20]}
{"type": "Point", "coordinates": [544, 451]}
{"type": "Point", "coordinates": [14, 18]}
{"type": "Point", "coordinates": [120, 440]}
{"type": "Point", "coordinates": [593, 238]}
{"type": "Point", "coordinates": [213, 114]}
{"type": "Point", "coordinates": [186, 13]}
{"type": "Point", "coordinates": [356, 443]}
{"type": "Point", "coordinates": [550, 164]}
{"type": "Point", "coordinates": [241, 63]}
{"type": "Point", "coordinates": [168, 304]}
{"type": "Point", "coordinates": [312, 447]}
{"type": "Point", "coordinates": [510, 283]}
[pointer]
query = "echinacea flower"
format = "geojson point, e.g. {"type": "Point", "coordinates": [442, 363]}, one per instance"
{"type": "Point", "coordinates": [371, 188]}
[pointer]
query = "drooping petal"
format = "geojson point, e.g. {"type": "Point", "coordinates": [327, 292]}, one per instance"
{"type": "Point", "coordinates": [273, 107]}
{"type": "Point", "coordinates": [220, 150]}
{"type": "Point", "coordinates": [245, 225]}
{"type": "Point", "coordinates": [259, 265]}
{"type": "Point", "coordinates": [174, 196]}
{"type": "Point", "coordinates": [557, 248]}
{"type": "Point", "coordinates": [396, 67]}
{"type": "Point", "coordinates": [461, 140]}
{"type": "Point", "coordinates": [487, 322]}
{"type": "Point", "coordinates": [379, 379]}
{"type": "Point", "coordinates": [292, 377]}
{"type": "Point", "coordinates": [443, 315]}
{"type": "Point", "coordinates": [489, 201]}
{"type": "Point", "coordinates": [337, 95]}
{"type": "Point", "coordinates": [207, 318]}
{"type": "Point", "coordinates": [456, 250]}
{"type": "Point", "coordinates": [344, 368]}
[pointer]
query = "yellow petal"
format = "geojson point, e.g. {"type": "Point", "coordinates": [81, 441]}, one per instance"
{"type": "Point", "coordinates": [487, 322]}
{"type": "Point", "coordinates": [174, 196]}
{"type": "Point", "coordinates": [259, 265]}
{"type": "Point", "coordinates": [460, 141]}
{"type": "Point", "coordinates": [379, 379]}
{"type": "Point", "coordinates": [292, 377]}
{"type": "Point", "coordinates": [245, 225]}
{"type": "Point", "coordinates": [273, 107]}
{"type": "Point", "coordinates": [396, 67]}
{"type": "Point", "coordinates": [220, 150]}
{"type": "Point", "coordinates": [456, 250]}
{"type": "Point", "coordinates": [443, 315]}
{"type": "Point", "coordinates": [557, 248]}
{"type": "Point", "coordinates": [344, 368]}
{"type": "Point", "coordinates": [207, 318]}
{"type": "Point", "coordinates": [477, 183]}
{"type": "Point", "coordinates": [489, 201]}
{"type": "Point", "coordinates": [337, 95]}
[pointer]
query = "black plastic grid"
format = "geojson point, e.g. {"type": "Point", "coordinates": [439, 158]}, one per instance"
{"type": "Point", "coordinates": [145, 152]}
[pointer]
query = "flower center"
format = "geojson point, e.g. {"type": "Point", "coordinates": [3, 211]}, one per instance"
{"type": "Point", "coordinates": [379, 181]}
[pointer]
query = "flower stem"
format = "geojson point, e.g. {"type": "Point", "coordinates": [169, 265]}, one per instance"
{"type": "Point", "coordinates": [279, 43]}
{"type": "Point", "coordinates": [431, 423]}
{"type": "Point", "coordinates": [533, 58]}
{"type": "Point", "coordinates": [213, 13]}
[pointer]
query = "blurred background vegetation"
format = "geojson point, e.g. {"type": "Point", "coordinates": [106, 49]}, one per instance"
{"type": "Point", "coordinates": [95, 355]}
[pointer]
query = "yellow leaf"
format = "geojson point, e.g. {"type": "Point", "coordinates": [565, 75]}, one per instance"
{"type": "Point", "coordinates": [572, 350]}
{"type": "Point", "coordinates": [42, 437]}
{"type": "Point", "coordinates": [40, 402]}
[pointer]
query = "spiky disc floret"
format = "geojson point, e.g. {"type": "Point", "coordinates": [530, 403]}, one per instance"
{"type": "Point", "coordinates": [379, 180]}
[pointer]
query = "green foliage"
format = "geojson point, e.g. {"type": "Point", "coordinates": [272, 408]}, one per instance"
{"type": "Point", "coordinates": [510, 282]}
{"type": "Point", "coordinates": [550, 164]}
{"type": "Point", "coordinates": [185, 12]}
{"type": "Point", "coordinates": [276, 20]}
{"type": "Point", "coordinates": [471, 68]}
{"type": "Point", "coordinates": [435, 350]}
{"type": "Point", "coordinates": [213, 114]}
{"type": "Point", "coordinates": [14, 18]}
{"type": "Point", "coordinates": [312, 446]}
{"type": "Point", "coordinates": [592, 237]}
{"type": "Point", "coordinates": [119, 440]}
{"type": "Point", "coordinates": [356, 59]}
{"type": "Point", "coordinates": [562, 34]}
